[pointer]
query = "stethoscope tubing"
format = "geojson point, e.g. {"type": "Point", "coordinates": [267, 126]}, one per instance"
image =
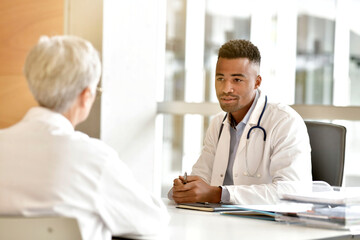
{"type": "Point", "coordinates": [258, 124]}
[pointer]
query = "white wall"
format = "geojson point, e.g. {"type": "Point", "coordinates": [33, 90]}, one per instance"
{"type": "Point", "coordinates": [86, 24]}
{"type": "Point", "coordinates": [133, 60]}
{"type": "Point", "coordinates": [132, 46]}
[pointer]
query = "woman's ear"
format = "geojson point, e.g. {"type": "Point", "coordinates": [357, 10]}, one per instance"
{"type": "Point", "coordinates": [85, 97]}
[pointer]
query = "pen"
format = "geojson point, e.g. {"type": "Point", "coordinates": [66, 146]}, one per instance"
{"type": "Point", "coordinates": [185, 177]}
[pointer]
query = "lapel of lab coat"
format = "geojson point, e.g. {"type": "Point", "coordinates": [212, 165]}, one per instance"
{"type": "Point", "coordinates": [253, 120]}
{"type": "Point", "coordinates": [221, 156]}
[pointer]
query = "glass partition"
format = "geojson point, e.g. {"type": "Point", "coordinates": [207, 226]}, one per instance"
{"type": "Point", "coordinates": [310, 51]}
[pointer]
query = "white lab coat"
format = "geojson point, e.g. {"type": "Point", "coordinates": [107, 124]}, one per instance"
{"type": "Point", "coordinates": [284, 156]}
{"type": "Point", "coordinates": [47, 168]}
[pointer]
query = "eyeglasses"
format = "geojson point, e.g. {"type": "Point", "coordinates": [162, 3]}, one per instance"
{"type": "Point", "coordinates": [99, 91]}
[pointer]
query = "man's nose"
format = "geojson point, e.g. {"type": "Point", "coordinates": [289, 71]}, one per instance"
{"type": "Point", "coordinates": [228, 87]}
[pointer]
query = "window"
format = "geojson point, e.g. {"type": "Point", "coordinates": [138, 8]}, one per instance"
{"type": "Point", "coordinates": [315, 54]}
{"type": "Point", "coordinates": [310, 51]}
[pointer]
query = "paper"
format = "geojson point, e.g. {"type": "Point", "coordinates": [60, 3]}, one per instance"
{"type": "Point", "coordinates": [267, 212]}
{"type": "Point", "coordinates": [327, 197]}
{"type": "Point", "coordinates": [278, 208]}
{"type": "Point", "coordinates": [318, 192]}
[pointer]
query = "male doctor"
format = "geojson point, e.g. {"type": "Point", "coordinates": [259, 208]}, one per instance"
{"type": "Point", "coordinates": [252, 146]}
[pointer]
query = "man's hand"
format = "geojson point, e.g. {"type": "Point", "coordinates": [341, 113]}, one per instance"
{"type": "Point", "coordinates": [195, 190]}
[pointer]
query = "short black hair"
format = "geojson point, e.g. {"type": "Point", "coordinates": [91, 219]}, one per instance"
{"type": "Point", "coordinates": [240, 48]}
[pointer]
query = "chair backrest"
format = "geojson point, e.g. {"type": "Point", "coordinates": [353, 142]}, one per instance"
{"type": "Point", "coordinates": [39, 228]}
{"type": "Point", "coordinates": [327, 142]}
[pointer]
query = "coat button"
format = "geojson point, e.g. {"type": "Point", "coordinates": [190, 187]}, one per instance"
{"type": "Point", "coordinates": [245, 173]}
{"type": "Point", "coordinates": [236, 174]}
{"type": "Point", "coordinates": [221, 175]}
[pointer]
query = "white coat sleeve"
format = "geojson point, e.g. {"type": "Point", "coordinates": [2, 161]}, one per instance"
{"type": "Point", "coordinates": [290, 160]}
{"type": "Point", "coordinates": [126, 207]}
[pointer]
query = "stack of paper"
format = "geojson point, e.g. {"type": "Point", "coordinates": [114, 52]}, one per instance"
{"type": "Point", "coordinates": [333, 207]}
{"type": "Point", "coordinates": [334, 197]}
{"type": "Point", "coordinates": [341, 217]}
{"type": "Point", "coordinates": [267, 212]}
{"type": "Point", "coordinates": [264, 212]}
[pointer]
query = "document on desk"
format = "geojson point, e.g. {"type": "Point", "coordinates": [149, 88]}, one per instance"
{"type": "Point", "coordinates": [340, 217]}
{"type": "Point", "coordinates": [208, 207]}
{"type": "Point", "coordinates": [318, 192]}
{"type": "Point", "coordinates": [256, 214]}
{"type": "Point", "coordinates": [326, 197]}
{"type": "Point", "coordinates": [267, 212]}
{"type": "Point", "coordinates": [217, 207]}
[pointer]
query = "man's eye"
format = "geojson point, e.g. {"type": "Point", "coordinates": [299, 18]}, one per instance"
{"type": "Point", "coordinates": [237, 80]}
{"type": "Point", "coordinates": [220, 79]}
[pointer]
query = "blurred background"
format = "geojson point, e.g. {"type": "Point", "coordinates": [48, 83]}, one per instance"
{"type": "Point", "coordinates": [159, 60]}
{"type": "Point", "coordinates": [310, 55]}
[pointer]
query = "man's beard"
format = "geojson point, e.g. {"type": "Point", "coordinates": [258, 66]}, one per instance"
{"type": "Point", "coordinates": [229, 107]}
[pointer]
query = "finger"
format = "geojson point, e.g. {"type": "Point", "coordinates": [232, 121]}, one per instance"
{"type": "Point", "coordinates": [187, 199]}
{"type": "Point", "coordinates": [187, 187]}
{"type": "Point", "coordinates": [181, 188]}
{"type": "Point", "coordinates": [180, 195]}
{"type": "Point", "coordinates": [177, 182]}
{"type": "Point", "coordinates": [181, 178]}
{"type": "Point", "coordinates": [193, 178]}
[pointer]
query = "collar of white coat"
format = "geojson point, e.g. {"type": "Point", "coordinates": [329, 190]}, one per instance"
{"type": "Point", "coordinates": [252, 116]}
{"type": "Point", "coordinates": [48, 117]}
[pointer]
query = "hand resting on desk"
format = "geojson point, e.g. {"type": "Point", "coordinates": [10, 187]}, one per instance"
{"type": "Point", "coordinates": [195, 190]}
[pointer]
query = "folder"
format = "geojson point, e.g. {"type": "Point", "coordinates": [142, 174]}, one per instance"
{"type": "Point", "coordinates": [208, 207]}
{"type": "Point", "coordinates": [252, 213]}
{"type": "Point", "coordinates": [267, 212]}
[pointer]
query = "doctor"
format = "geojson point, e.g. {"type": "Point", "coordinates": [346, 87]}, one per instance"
{"type": "Point", "coordinates": [252, 146]}
{"type": "Point", "coordinates": [48, 168]}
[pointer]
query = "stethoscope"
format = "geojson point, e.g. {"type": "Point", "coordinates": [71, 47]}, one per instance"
{"type": "Point", "coordinates": [258, 126]}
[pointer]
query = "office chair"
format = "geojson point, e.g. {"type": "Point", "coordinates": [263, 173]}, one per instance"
{"type": "Point", "coordinates": [327, 142]}
{"type": "Point", "coordinates": [39, 228]}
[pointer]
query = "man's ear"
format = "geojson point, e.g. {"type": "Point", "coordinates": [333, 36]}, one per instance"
{"type": "Point", "coordinates": [85, 96]}
{"type": "Point", "coordinates": [258, 81]}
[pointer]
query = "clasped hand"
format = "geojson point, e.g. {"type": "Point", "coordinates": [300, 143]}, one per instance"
{"type": "Point", "coordinates": [195, 190]}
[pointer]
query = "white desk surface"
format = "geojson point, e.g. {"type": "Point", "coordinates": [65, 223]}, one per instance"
{"type": "Point", "coordinates": [197, 225]}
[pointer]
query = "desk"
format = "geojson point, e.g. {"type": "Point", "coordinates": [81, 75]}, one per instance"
{"type": "Point", "coordinates": [197, 225]}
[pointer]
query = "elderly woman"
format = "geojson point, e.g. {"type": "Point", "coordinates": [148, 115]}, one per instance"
{"type": "Point", "coordinates": [48, 168]}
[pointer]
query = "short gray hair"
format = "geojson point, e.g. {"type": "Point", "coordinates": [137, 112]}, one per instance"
{"type": "Point", "coordinates": [59, 68]}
